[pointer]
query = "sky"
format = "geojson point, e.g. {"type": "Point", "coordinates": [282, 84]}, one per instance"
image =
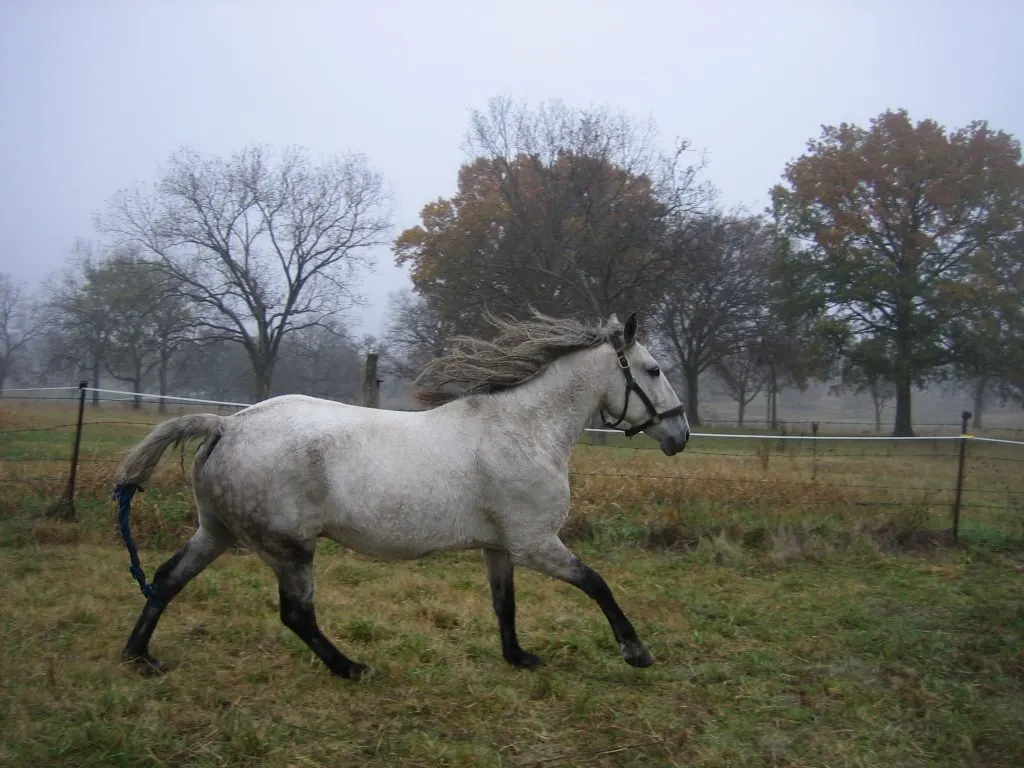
{"type": "Point", "coordinates": [95, 94]}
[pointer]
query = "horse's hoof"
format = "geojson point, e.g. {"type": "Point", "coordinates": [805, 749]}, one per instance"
{"type": "Point", "coordinates": [359, 672]}
{"type": "Point", "coordinates": [145, 664]}
{"type": "Point", "coordinates": [526, 660]}
{"type": "Point", "coordinates": [634, 654]}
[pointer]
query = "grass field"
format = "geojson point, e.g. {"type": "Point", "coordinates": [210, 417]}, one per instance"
{"type": "Point", "coordinates": [800, 609]}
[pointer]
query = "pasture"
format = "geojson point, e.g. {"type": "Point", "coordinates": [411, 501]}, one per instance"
{"type": "Point", "coordinates": [800, 607]}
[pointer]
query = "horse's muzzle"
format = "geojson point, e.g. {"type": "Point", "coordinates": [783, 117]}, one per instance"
{"type": "Point", "coordinates": [672, 445]}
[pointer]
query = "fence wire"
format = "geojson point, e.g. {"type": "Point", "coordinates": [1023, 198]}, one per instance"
{"type": "Point", "coordinates": [745, 470]}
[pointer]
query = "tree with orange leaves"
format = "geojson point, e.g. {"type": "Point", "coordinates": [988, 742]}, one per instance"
{"type": "Point", "coordinates": [562, 209]}
{"type": "Point", "coordinates": [884, 231]}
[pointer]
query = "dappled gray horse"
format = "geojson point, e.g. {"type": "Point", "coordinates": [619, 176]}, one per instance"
{"type": "Point", "coordinates": [486, 469]}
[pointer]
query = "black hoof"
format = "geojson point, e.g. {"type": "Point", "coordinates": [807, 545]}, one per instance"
{"type": "Point", "coordinates": [525, 659]}
{"type": "Point", "coordinates": [634, 654]}
{"type": "Point", "coordinates": [145, 664]}
{"type": "Point", "coordinates": [358, 672]}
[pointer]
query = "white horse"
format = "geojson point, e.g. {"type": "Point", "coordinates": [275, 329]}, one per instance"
{"type": "Point", "coordinates": [488, 469]}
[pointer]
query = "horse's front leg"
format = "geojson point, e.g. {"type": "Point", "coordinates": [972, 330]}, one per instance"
{"type": "Point", "coordinates": [550, 556]}
{"type": "Point", "coordinates": [503, 595]}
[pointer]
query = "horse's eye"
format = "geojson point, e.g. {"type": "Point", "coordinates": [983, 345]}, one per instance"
{"type": "Point", "coordinates": [655, 372]}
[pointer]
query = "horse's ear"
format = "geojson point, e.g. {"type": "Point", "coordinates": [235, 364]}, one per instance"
{"type": "Point", "coordinates": [629, 331]}
{"type": "Point", "coordinates": [613, 319]}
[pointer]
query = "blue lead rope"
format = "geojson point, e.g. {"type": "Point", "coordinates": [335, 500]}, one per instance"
{"type": "Point", "coordinates": [123, 494]}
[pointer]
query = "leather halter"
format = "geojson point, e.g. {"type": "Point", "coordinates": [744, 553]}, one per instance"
{"type": "Point", "coordinates": [632, 386]}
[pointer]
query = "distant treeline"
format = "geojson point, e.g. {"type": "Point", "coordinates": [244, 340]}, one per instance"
{"type": "Point", "coordinates": [891, 258]}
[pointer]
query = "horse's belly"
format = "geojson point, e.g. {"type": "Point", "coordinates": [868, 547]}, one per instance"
{"type": "Point", "coordinates": [401, 527]}
{"type": "Point", "coordinates": [385, 543]}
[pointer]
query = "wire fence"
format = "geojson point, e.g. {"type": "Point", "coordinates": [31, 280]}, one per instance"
{"type": "Point", "coordinates": [53, 441]}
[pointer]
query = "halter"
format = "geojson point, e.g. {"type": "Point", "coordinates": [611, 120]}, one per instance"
{"type": "Point", "coordinates": [632, 386]}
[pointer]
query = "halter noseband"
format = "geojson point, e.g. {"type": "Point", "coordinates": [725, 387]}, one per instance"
{"type": "Point", "coordinates": [632, 386]}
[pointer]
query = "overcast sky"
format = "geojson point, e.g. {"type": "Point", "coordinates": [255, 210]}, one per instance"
{"type": "Point", "coordinates": [95, 95]}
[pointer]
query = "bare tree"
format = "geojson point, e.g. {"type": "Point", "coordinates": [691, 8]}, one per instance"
{"type": "Point", "coordinates": [415, 334]}
{"type": "Point", "coordinates": [715, 295]}
{"type": "Point", "coordinates": [321, 361]}
{"type": "Point", "coordinates": [78, 326]}
{"type": "Point", "coordinates": [263, 249]}
{"type": "Point", "coordinates": [214, 369]}
{"type": "Point", "coordinates": [149, 319]}
{"type": "Point", "coordinates": [865, 379]}
{"type": "Point", "coordinates": [743, 375]}
{"type": "Point", "coordinates": [18, 325]}
{"type": "Point", "coordinates": [173, 327]}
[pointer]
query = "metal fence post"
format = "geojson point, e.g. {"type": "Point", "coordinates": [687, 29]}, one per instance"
{"type": "Point", "coordinates": [964, 418]}
{"type": "Point", "coordinates": [64, 508]}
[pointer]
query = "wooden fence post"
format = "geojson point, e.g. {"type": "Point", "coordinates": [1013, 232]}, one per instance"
{"type": "Point", "coordinates": [371, 384]}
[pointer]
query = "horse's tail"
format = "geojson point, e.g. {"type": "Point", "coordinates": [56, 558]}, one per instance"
{"type": "Point", "coordinates": [137, 467]}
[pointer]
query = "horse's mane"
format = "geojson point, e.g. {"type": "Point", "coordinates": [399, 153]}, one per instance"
{"type": "Point", "coordinates": [520, 349]}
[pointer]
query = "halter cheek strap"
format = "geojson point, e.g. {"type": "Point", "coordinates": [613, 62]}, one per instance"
{"type": "Point", "coordinates": [632, 386]}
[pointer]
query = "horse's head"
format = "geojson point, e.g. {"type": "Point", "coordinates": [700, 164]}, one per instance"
{"type": "Point", "coordinates": [639, 397]}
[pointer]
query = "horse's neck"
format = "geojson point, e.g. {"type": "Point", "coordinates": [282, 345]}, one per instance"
{"type": "Point", "coordinates": [560, 401]}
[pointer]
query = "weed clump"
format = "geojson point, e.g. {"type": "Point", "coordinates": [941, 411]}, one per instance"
{"type": "Point", "coordinates": [670, 536]}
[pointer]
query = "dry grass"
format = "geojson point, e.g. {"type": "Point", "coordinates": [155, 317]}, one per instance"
{"type": "Point", "coordinates": [794, 620]}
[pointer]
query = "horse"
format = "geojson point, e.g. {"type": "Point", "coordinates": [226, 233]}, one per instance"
{"type": "Point", "coordinates": [484, 468]}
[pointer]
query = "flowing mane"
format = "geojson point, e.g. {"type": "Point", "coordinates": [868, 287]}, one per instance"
{"type": "Point", "coordinates": [520, 349]}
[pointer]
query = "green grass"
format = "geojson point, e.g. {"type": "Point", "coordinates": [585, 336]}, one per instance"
{"type": "Point", "coordinates": [865, 660]}
{"type": "Point", "coordinates": [792, 623]}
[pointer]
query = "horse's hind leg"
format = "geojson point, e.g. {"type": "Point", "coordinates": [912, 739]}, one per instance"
{"type": "Point", "coordinates": [499, 574]}
{"type": "Point", "coordinates": [295, 586]}
{"type": "Point", "coordinates": [205, 546]}
{"type": "Point", "coordinates": [552, 557]}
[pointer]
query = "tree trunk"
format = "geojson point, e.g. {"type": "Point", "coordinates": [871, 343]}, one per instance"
{"type": "Point", "coordinates": [96, 363]}
{"type": "Point", "coordinates": [137, 388]}
{"type": "Point", "coordinates": [903, 426]}
{"type": "Point", "coordinates": [904, 379]}
{"type": "Point", "coordinates": [263, 382]}
{"type": "Point", "coordinates": [773, 397]}
{"type": "Point", "coordinates": [876, 401]}
{"type": "Point", "coordinates": [979, 400]}
{"type": "Point", "coordinates": [263, 369]}
{"type": "Point", "coordinates": [692, 396]}
{"type": "Point", "coordinates": [741, 401]}
{"type": "Point", "coordinates": [163, 384]}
